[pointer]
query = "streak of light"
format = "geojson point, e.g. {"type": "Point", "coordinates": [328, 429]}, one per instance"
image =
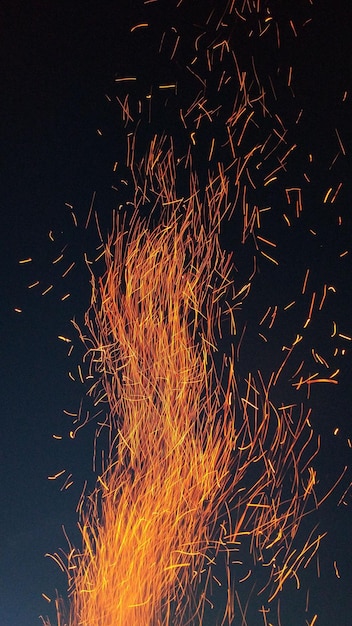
{"type": "Point", "coordinates": [137, 26]}
{"type": "Point", "coordinates": [55, 476]}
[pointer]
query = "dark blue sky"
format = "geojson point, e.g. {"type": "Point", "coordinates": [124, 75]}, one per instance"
{"type": "Point", "coordinates": [57, 61]}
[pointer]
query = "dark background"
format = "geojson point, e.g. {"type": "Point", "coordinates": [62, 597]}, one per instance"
{"type": "Point", "coordinates": [57, 61]}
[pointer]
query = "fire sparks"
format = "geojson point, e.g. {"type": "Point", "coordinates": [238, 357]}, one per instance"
{"type": "Point", "coordinates": [173, 494]}
{"type": "Point", "coordinates": [204, 468]}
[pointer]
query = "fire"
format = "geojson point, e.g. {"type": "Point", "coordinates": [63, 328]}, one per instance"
{"type": "Point", "coordinates": [174, 491]}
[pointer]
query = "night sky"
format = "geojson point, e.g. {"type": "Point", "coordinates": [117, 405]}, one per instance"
{"type": "Point", "coordinates": [58, 62]}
